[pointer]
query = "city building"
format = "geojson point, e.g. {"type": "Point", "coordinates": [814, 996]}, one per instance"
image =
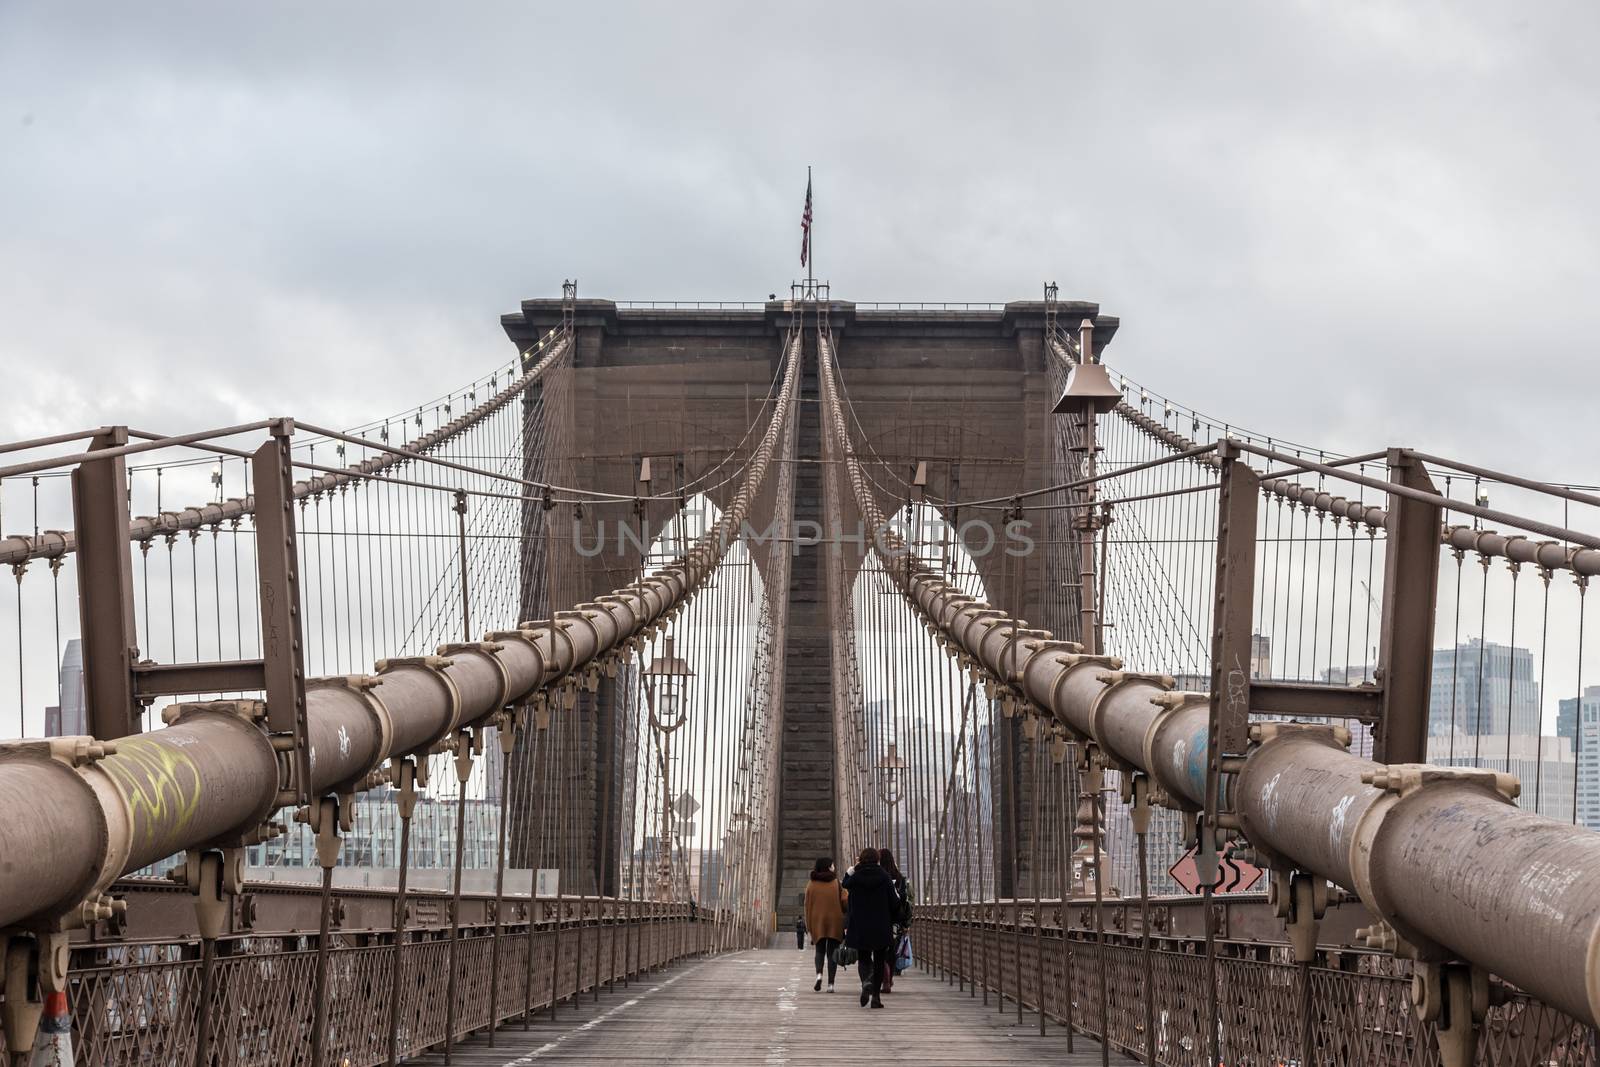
{"type": "Point", "coordinates": [1164, 846]}
{"type": "Point", "coordinates": [374, 839]}
{"type": "Point", "coordinates": [696, 871]}
{"type": "Point", "coordinates": [1543, 765]}
{"type": "Point", "coordinates": [1350, 674]}
{"type": "Point", "coordinates": [1567, 714]}
{"type": "Point", "coordinates": [1483, 688]}
{"type": "Point", "coordinates": [1260, 656]}
{"type": "Point", "coordinates": [1260, 666]}
{"type": "Point", "coordinates": [1578, 725]}
{"type": "Point", "coordinates": [70, 718]}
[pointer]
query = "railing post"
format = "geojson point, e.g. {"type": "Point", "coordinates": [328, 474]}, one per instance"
{"type": "Point", "coordinates": [537, 726]}
{"type": "Point", "coordinates": [1058, 754]}
{"type": "Point", "coordinates": [405, 781]}
{"type": "Point", "coordinates": [105, 588]}
{"type": "Point", "coordinates": [1405, 637]}
{"type": "Point", "coordinates": [212, 876]}
{"type": "Point", "coordinates": [324, 815]}
{"type": "Point", "coordinates": [467, 744]}
{"type": "Point", "coordinates": [1139, 815]}
{"type": "Point", "coordinates": [505, 734]}
{"type": "Point", "coordinates": [1092, 776]}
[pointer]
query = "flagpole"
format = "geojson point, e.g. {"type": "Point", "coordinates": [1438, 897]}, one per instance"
{"type": "Point", "coordinates": [811, 240]}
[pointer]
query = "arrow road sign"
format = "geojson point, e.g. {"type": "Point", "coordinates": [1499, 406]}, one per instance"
{"type": "Point", "coordinates": [1233, 874]}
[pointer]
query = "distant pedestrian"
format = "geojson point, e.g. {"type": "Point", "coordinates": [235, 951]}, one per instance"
{"type": "Point", "coordinates": [825, 910]}
{"type": "Point", "coordinates": [800, 931]}
{"type": "Point", "coordinates": [870, 927]}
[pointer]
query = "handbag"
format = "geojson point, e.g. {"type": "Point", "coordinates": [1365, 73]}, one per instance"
{"type": "Point", "coordinates": [903, 958]}
{"type": "Point", "coordinates": [845, 956]}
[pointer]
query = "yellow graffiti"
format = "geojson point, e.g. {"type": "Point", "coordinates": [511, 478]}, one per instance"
{"type": "Point", "coordinates": [161, 784]}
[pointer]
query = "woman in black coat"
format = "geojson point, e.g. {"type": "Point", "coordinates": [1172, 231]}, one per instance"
{"type": "Point", "coordinates": [902, 893]}
{"type": "Point", "coordinates": [869, 928]}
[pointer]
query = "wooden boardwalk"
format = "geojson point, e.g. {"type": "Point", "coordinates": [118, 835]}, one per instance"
{"type": "Point", "coordinates": [758, 1008]}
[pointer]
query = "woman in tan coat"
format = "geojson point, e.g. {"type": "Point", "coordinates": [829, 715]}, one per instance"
{"type": "Point", "coordinates": [826, 902]}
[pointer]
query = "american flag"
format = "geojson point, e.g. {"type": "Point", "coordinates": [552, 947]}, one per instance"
{"type": "Point", "coordinates": [805, 224]}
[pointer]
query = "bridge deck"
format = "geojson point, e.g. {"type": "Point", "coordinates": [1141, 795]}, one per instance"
{"type": "Point", "coordinates": [758, 1007]}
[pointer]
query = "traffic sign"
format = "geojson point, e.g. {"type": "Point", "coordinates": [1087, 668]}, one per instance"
{"type": "Point", "coordinates": [687, 806]}
{"type": "Point", "coordinates": [1234, 875]}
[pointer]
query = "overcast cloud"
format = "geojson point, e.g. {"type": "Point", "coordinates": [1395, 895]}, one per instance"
{"type": "Point", "coordinates": [1355, 224]}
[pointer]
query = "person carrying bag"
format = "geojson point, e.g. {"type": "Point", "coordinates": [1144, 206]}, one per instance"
{"type": "Point", "coordinates": [870, 929]}
{"type": "Point", "coordinates": [902, 914]}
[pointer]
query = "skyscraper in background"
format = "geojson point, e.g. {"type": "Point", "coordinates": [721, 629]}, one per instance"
{"type": "Point", "coordinates": [1260, 656]}
{"type": "Point", "coordinates": [69, 718]}
{"type": "Point", "coordinates": [1483, 688]}
{"type": "Point", "coordinates": [1578, 724]}
{"type": "Point", "coordinates": [1567, 715]}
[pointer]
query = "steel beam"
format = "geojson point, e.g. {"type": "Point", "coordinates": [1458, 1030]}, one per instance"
{"type": "Point", "coordinates": [1410, 594]}
{"type": "Point", "coordinates": [1307, 700]}
{"type": "Point", "coordinates": [176, 679]}
{"type": "Point", "coordinates": [278, 564]}
{"type": "Point", "coordinates": [105, 588]}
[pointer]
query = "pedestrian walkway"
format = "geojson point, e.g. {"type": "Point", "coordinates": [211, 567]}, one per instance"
{"type": "Point", "coordinates": [758, 1008]}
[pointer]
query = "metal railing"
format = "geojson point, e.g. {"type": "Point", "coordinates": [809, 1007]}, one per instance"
{"type": "Point", "coordinates": [136, 1005]}
{"type": "Point", "coordinates": [1347, 1008]}
{"type": "Point", "coordinates": [926, 305]}
{"type": "Point", "coordinates": [693, 305]}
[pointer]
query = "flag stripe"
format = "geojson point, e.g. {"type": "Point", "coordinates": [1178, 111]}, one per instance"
{"type": "Point", "coordinates": [805, 226]}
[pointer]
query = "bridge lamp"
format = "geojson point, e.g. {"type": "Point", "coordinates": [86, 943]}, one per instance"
{"type": "Point", "coordinates": [890, 766]}
{"type": "Point", "coordinates": [1089, 386]}
{"type": "Point", "coordinates": [890, 769]}
{"type": "Point", "coordinates": [1089, 393]}
{"type": "Point", "coordinates": [666, 690]}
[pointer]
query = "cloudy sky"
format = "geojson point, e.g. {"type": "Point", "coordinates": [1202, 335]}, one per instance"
{"type": "Point", "coordinates": [1355, 224]}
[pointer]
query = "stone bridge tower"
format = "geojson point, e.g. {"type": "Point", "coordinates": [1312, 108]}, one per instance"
{"type": "Point", "coordinates": [964, 389]}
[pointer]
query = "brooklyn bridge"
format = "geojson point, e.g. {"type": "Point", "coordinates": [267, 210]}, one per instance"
{"type": "Point", "coordinates": [509, 727]}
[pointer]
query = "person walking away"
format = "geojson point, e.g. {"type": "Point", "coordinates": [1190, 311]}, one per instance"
{"type": "Point", "coordinates": [902, 915]}
{"type": "Point", "coordinates": [824, 917]}
{"type": "Point", "coordinates": [800, 931]}
{"type": "Point", "coordinates": [869, 926]}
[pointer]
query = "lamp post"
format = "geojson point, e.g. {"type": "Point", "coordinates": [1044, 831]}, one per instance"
{"type": "Point", "coordinates": [1088, 394]}
{"type": "Point", "coordinates": [890, 766]}
{"type": "Point", "coordinates": [666, 690]}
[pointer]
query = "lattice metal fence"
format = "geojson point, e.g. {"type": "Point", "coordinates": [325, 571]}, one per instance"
{"type": "Point", "coordinates": [1349, 1009]}
{"type": "Point", "coordinates": [141, 1005]}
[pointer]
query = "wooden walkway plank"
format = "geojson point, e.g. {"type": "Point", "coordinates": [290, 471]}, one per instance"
{"type": "Point", "coordinates": [758, 1008]}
